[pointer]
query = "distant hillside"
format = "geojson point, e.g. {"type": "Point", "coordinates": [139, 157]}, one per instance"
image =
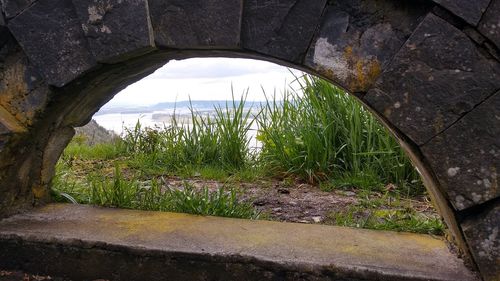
{"type": "Point", "coordinates": [198, 104]}
{"type": "Point", "coordinates": [93, 133]}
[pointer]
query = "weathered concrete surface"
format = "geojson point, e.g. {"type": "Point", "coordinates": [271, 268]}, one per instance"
{"type": "Point", "coordinates": [472, 172]}
{"type": "Point", "coordinates": [470, 11]}
{"type": "Point", "coordinates": [198, 24]}
{"type": "Point", "coordinates": [359, 38]}
{"type": "Point", "coordinates": [119, 244]}
{"type": "Point", "coordinates": [51, 35]}
{"type": "Point", "coordinates": [482, 232]}
{"type": "Point", "coordinates": [437, 77]}
{"type": "Point", "coordinates": [490, 23]}
{"type": "Point", "coordinates": [282, 29]}
{"type": "Point", "coordinates": [115, 29]}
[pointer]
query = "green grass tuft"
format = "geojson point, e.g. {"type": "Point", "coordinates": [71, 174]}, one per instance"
{"type": "Point", "coordinates": [328, 135]}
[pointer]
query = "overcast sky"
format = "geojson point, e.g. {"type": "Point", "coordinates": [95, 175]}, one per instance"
{"type": "Point", "coordinates": [206, 79]}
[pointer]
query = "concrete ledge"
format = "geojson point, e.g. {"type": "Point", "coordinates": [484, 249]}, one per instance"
{"type": "Point", "coordinates": [83, 242]}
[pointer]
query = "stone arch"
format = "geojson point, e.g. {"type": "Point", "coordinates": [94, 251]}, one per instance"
{"type": "Point", "coordinates": [428, 69]}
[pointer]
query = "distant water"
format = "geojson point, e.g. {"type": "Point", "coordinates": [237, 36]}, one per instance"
{"type": "Point", "coordinates": [118, 121]}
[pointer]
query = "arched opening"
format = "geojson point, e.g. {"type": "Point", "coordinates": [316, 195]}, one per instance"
{"type": "Point", "coordinates": [83, 98]}
{"type": "Point", "coordinates": [92, 93]}
{"type": "Point", "coordinates": [428, 71]}
{"type": "Point", "coordinates": [232, 137]}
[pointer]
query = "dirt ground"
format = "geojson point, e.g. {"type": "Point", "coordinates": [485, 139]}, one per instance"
{"type": "Point", "coordinates": [302, 202]}
{"type": "Point", "coordinates": [285, 199]}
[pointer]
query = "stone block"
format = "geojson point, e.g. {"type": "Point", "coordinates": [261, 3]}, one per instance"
{"type": "Point", "coordinates": [4, 35]}
{"type": "Point", "coordinates": [466, 157]}
{"type": "Point", "coordinates": [5, 135]}
{"type": "Point", "coordinates": [196, 24]}
{"type": "Point", "coordinates": [11, 8]}
{"type": "Point", "coordinates": [490, 23]}
{"type": "Point", "coordinates": [22, 91]}
{"type": "Point", "coordinates": [8, 127]}
{"type": "Point", "coordinates": [437, 77]}
{"type": "Point", "coordinates": [2, 20]}
{"type": "Point", "coordinates": [358, 38]}
{"type": "Point", "coordinates": [482, 233]}
{"type": "Point", "coordinates": [4, 31]}
{"type": "Point", "coordinates": [282, 29]}
{"type": "Point", "coordinates": [116, 29]}
{"type": "Point", "coordinates": [3, 129]}
{"type": "Point", "coordinates": [51, 35]}
{"type": "Point", "coordinates": [470, 11]}
{"type": "Point", "coordinates": [10, 124]}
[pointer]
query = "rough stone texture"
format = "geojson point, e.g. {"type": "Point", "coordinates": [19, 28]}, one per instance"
{"type": "Point", "coordinates": [198, 24]}
{"type": "Point", "coordinates": [13, 7]}
{"type": "Point", "coordinates": [490, 23]}
{"type": "Point", "coordinates": [437, 77]}
{"type": "Point", "coordinates": [55, 146]}
{"type": "Point", "coordinates": [136, 245]}
{"type": "Point", "coordinates": [431, 93]}
{"type": "Point", "coordinates": [283, 28]}
{"type": "Point", "coordinates": [4, 137]}
{"type": "Point", "coordinates": [2, 20]}
{"type": "Point", "coordinates": [116, 29]}
{"type": "Point", "coordinates": [9, 122]}
{"type": "Point", "coordinates": [483, 235]}
{"type": "Point", "coordinates": [22, 91]}
{"type": "Point", "coordinates": [51, 35]}
{"type": "Point", "coordinates": [467, 156]}
{"type": "Point", "coordinates": [469, 10]}
{"type": "Point", "coordinates": [4, 33]}
{"type": "Point", "coordinates": [358, 38]}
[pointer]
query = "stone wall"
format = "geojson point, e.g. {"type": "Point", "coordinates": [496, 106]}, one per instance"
{"type": "Point", "coordinates": [429, 70]}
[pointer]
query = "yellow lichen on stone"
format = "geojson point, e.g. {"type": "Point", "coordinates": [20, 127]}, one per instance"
{"type": "Point", "coordinates": [13, 77]}
{"type": "Point", "coordinates": [365, 74]}
{"type": "Point", "coordinates": [438, 123]}
{"type": "Point", "coordinates": [9, 121]}
{"type": "Point", "coordinates": [39, 192]}
{"type": "Point", "coordinates": [348, 52]}
{"type": "Point", "coordinates": [374, 71]}
{"type": "Point", "coordinates": [494, 180]}
{"type": "Point", "coordinates": [148, 222]}
{"type": "Point", "coordinates": [362, 72]}
{"type": "Point", "coordinates": [14, 90]}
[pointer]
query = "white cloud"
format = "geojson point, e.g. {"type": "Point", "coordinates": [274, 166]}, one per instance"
{"type": "Point", "coordinates": [206, 79]}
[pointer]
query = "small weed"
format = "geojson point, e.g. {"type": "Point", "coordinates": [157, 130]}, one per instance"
{"type": "Point", "coordinates": [387, 213]}
{"type": "Point", "coordinates": [222, 202]}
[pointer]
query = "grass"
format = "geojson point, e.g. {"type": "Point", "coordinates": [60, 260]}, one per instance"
{"type": "Point", "coordinates": [387, 213]}
{"type": "Point", "coordinates": [104, 151]}
{"type": "Point", "coordinates": [215, 141]}
{"type": "Point", "coordinates": [317, 134]}
{"type": "Point", "coordinates": [327, 135]}
{"type": "Point", "coordinates": [150, 195]}
{"type": "Point", "coordinates": [407, 221]}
